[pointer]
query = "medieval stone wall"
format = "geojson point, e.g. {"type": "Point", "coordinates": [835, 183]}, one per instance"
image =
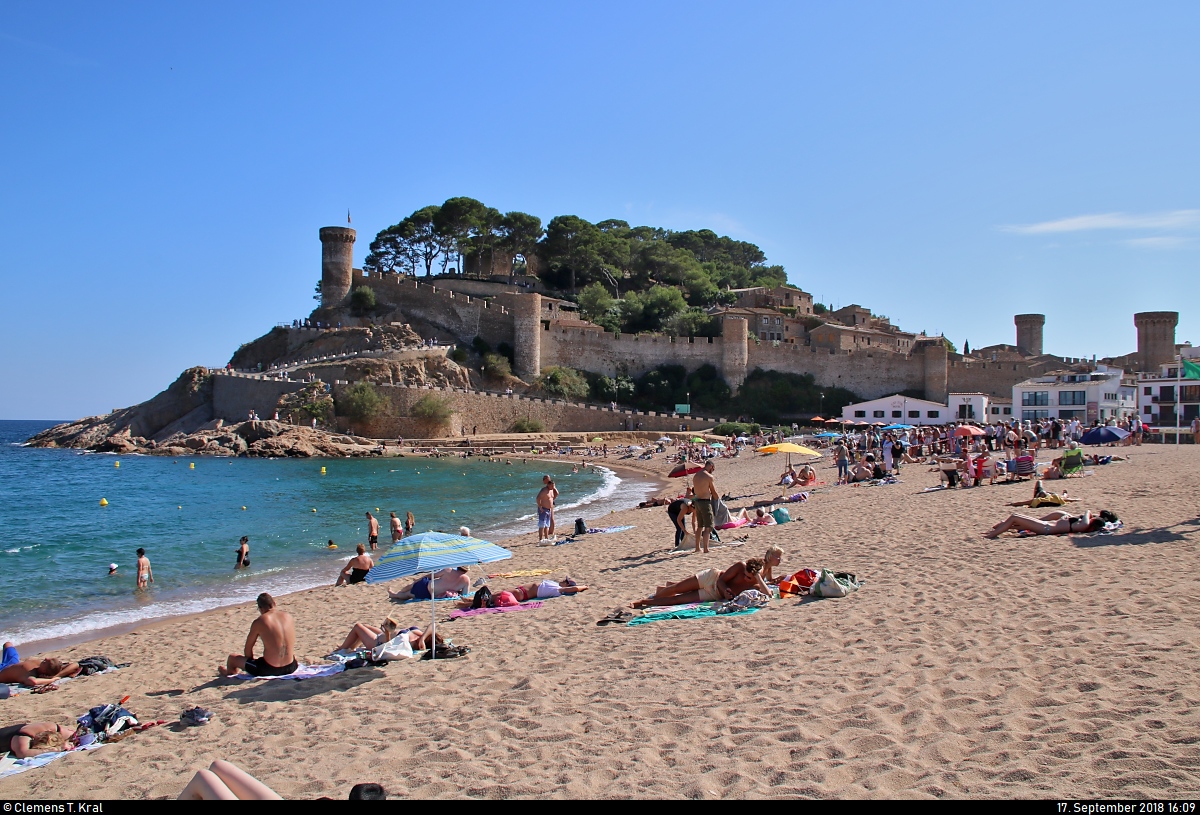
{"type": "Point", "coordinates": [459, 315]}
{"type": "Point", "coordinates": [869, 374]}
{"type": "Point", "coordinates": [483, 412]}
{"type": "Point", "coordinates": [593, 349]}
{"type": "Point", "coordinates": [235, 395]}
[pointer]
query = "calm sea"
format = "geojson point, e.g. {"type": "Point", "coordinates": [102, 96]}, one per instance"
{"type": "Point", "coordinates": [58, 541]}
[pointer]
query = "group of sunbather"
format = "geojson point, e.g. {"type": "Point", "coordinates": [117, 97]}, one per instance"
{"type": "Point", "coordinates": [710, 585]}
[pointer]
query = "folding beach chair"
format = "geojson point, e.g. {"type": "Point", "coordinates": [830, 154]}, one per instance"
{"type": "Point", "coordinates": [1024, 467]}
{"type": "Point", "coordinates": [1072, 462]}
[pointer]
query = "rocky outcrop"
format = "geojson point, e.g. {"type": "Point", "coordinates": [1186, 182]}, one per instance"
{"type": "Point", "coordinates": [117, 431]}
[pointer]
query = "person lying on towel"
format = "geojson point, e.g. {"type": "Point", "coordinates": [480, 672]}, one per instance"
{"type": "Point", "coordinates": [709, 585]}
{"type": "Point", "coordinates": [277, 630]}
{"type": "Point", "coordinates": [1058, 522]}
{"type": "Point", "coordinates": [547, 589]}
{"type": "Point", "coordinates": [33, 672]}
{"type": "Point", "coordinates": [446, 583]}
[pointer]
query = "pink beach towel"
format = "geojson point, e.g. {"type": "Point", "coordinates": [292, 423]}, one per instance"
{"type": "Point", "coordinates": [475, 612]}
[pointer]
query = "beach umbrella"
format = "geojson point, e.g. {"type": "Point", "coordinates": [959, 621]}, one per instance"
{"type": "Point", "coordinates": [899, 427]}
{"type": "Point", "coordinates": [684, 470]}
{"type": "Point", "coordinates": [1103, 435]}
{"type": "Point", "coordinates": [430, 551]}
{"type": "Point", "coordinates": [697, 440]}
{"type": "Point", "coordinates": [664, 438]}
{"type": "Point", "coordinates": [968, 430]}
{"type": "Point", "coordinates": [716, 445]}
{"type": "Point", "coordinates": [817, 419]}
{"type": "Point", "coordinates": [826, 435]}
{"type": "Point", "coordinates": [598, 438]}
{"type": "Point", "coordinates": [789, 448]}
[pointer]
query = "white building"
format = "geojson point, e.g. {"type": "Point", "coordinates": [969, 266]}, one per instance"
{"type": "Point", "coordinates": [899, 409]}
{"type": "Point", "coordinates": [999, 410]}
{"type": "Point", "coordinates": [1087, 395]}
{"type": "Point", "coordinates": [1164, 399]}
{"type": "Point", "coordinates": [969, 407]}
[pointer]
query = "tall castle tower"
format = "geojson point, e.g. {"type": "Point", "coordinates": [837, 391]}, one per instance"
{"type": "Point", "coordinates": [527, 335]}
{"type": "Point", "coordinates": [1029, 332]}
{"type": "Point", "coordinates": [1156, 338]}
{"type": "Point", "coordinates": [337, 264]}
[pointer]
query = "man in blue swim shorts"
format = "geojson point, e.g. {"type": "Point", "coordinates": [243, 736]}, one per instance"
{"type": "Point", "coordinates": [545, 509]}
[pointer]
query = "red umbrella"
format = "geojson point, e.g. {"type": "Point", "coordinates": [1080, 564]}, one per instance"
{"type": "Point", "coordinates": [968, 430]}
{"type": "Point", "coordinates": [685, 469]}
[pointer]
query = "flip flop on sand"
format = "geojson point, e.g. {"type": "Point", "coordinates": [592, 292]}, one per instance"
{"type": "Point", "coordinates": [195, 716]}
{"type": "Point", "coordinates": [619, 616]}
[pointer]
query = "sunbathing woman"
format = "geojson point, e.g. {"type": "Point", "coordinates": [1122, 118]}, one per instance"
{"type": "Point", "coordinates": [762, 517]}
{"type": "Point", "coordinates": [771, 559]}
{"type": "Point", "coordinates": [34, 739]}
{"type": "Point", "coordinates": [1058, 522]}
{"type": "Point", "coordinates": [547, 589]}
{"type": "Point", "coordinates": [368, 636]}
{"type": "Point", "coordinates": [709, 585]}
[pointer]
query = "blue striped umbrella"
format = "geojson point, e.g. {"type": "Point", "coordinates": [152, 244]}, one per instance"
{"type": "Point", "coordinates": [430, 551]}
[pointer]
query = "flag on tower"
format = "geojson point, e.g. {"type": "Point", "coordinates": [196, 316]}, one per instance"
{"type": "Point", "coordinates": [347, 215]}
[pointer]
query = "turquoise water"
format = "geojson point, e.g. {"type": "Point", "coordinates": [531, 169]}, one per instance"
{"type": "Point", "coordinates": [58, 540]}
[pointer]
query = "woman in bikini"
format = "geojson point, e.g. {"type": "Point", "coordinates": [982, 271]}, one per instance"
{"type": "Point", "coordinates": [368, 636]}
{"type": "Point", "coordinates": [1057, 522]}
{"type": "Point", "coordinates": [771, 559]}
{"type": "Point", "coordinates": [33, 739]}
{"type": "Point", "coordinates": [547, 589]}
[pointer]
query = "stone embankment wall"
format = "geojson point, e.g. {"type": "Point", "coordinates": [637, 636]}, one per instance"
{"type": "Point", "coordinates": [460, 315]}
{"type": "Point", "coordinates": [235, 394]}
{"type": "Point", "coordinates": [483, 412]}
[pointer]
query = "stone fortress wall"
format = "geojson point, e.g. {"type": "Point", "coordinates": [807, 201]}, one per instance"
{"type": "Point", "coordinates": [539, 339]}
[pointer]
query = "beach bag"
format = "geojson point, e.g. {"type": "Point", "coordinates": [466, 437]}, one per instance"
{"type": "Point", "coordinates": [483, 598]}
{"type": "Point", "coordinates": [781, 515]}
{"type": "Point", "coordinates": [799, 583]}
{"type": "Point", "coordinates": [829, 586]}
{"type": "Point", "coordinates": [396, 648]}
{"type": "Point", "coordinates": [580, 527]}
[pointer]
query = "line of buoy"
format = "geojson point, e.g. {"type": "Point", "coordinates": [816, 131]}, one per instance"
{"type": "Point", "coordinates": [322, 471]}
{"type": "Point", "coordinates": [116, 464]}
{"type": "Point", "coordinates": [192, 465]}
{"type": "Point", "coordinates": [103, 502]}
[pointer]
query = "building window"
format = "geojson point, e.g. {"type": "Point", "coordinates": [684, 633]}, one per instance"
{"type": "Point", "coordinates": [914, 414]}
{"type": "Point", "coordinates": [1072, 398]}
{"type": "Point", "coordinates": [860, 414]}
{"type": "Point", "coordinates": [878, 414]}
{"type": "Point", "coordinates": [1147, 410]}
{"type": "Point", "coordinates": [1035, 414]}
{"type": "Point", "coordinates": [932, 414]}
{"type": "Point", "coordinates": [1035, 398]}
{"type": "Point", "coordinates": [1145, 391]}
{"type": "Point", "coordinates": [1008, 411]}
{"type": "Point", "coordinates": [1071, 414]}
{"type": "Point", "coordinates": [766, 320]}
{"type": "Point", "coordinates": [778, 321]}
{"type": "Point", "coordinates": [897, 414]}
{"type": "Point", "coordinates": [995, 411]}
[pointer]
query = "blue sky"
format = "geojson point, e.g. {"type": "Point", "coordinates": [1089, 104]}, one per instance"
{"type": "Point", "coordinates": [166, 168]}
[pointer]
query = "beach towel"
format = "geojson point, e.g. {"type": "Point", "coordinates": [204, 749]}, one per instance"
{"type": "Point", "coordinates": [740, 522]}
{"type": "Point", "coordinates": [607, 530]}
{"type": "Point", "coordinates": [302, 672]}
{"type": "Point", "coordinates": [475, 612]}
{"type": "Point", "coordinates": [15, 766]}
{"type": "Point", "coordinates": [455, 597]}
{"type": "Point", "coordinates": [690, 611]}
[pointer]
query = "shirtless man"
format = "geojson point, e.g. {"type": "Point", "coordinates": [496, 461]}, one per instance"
{"type": "Point", "coordinates": [145, 575]}
{"type": "Point", "coordinates": [277, 631]}
{"type": "Point", "coordinates": [397, 529]}
{"type": "Point", "coordinates": [446, 583]}
{"type": "Point", "coordinates": [705, 489]}
{"type": "Point", "coordinates": [710, 585]}
{"type": "Point", "coordinates": [372, 531]}
{"type": "Point", "coordinates": [356, 568]}
{"type": "Point", "coordinates": [545, 510]}
{"type": "Point", "coordinates": [33, 673]}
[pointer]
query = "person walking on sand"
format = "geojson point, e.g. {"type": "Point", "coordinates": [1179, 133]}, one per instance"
{"type": "Point", "coordinates": [372, 531]}
{"type": "Point", "coordinates": [397, 528]}
{"type": "Point", "coordinates": [545, 510]}
{"type": "Point", "coordinates": [277, 630]}
{"type": "Point", "coordinates": [706, 496]}
{"type": "Point", "coordinates": [243, 554]}
{"type": "Point", "coordinates": [145, 574]}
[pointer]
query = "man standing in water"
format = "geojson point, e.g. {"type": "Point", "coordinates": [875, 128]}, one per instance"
{"type": "Point", "coordinates": [277, 631]}
{"type": "Point", "coordinates": [145, 575]}
{"type": "Point", "coordinates": [545, 510]}
{"type": "Point", "coordinates": [704, 502]}
{"type": "Point", "coordinates": [397, 529]}
{"type": "Point", "coordinates": [372, 531]}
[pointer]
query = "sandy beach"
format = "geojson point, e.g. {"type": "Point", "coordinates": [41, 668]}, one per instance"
{"type": "Point", "coordinates": [965, 667]}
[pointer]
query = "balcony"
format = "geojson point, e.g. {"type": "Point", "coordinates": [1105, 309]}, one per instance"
{"type": "Point", "coordinates": [1163, 400]}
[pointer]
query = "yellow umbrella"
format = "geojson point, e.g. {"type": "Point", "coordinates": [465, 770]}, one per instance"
{"type": "Point", "coordinates": [788, 447]}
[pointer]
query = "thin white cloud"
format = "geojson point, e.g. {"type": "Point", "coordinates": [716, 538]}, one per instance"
{"type": "Point", "coordinates": [1175, 219]}
{"type": "Point", "coordinates": [1159, 242]}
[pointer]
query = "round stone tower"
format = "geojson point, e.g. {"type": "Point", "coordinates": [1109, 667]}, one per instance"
{"type": "Point", "coordinates": [527, 336]}
{"type": "Point", "coordinates": [1029, 332]}
{"type": "Point", "coordinates": [1156, 337]}
{"type": "Point", "coordinates": [735, 351]}
{"type": "Point", "coordinates": [337, 265]}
